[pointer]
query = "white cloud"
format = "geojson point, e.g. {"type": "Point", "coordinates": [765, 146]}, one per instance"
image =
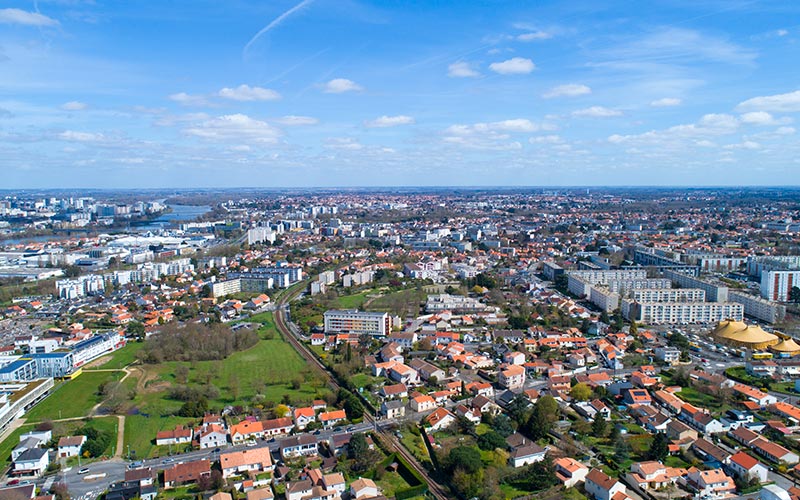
{"type": "Point", "coordinates": [240, 148]}
{"type": "Point", "coordinates": [18, 16]}
{"type": "Point", "coordinates": [293, 120]}
{"type": "Point", "coordinates": [751, 145]}
{"type": "Point", "coordinates": [343, 143]}
{"type": "Point", "coordinates": [710, 125]}
{"type": "Point", "coordinates": [519, 125]}
{"type": "Point", "coordinates": [785, 131]}
{"type": "Point", "coordinates": [597, 112]}
{"type": "Point", "coordinates": [170, 120]}
{"type": "Point", "coordinates": [546, 139]}
{"type": "Point", "coordinates": [74, 106]}
{"type": "Point", "coordinates": [340, 85]}
{"type": "Point", "coordinates": [513, 66]}
{"type": "Point", "coordinates": [235, 127]}
{"type": "Point", "coordinates": [461, 69]}
{"type": "Point", "coordinates": [763, 118]}
{"type": "Point", "coordinates": [786, 103]}
{"type": "Point", "coordinates": [389, 121]}
{"type": "Point", "coordinates": [781, 32]}
{"type": "Point", "coordinates": [534, 35]}
{"type": "Point", "coordinates": [188, 100]}
{"type": "Point", "coordinates": [567, 90]}
{"type": "Point", "coordinates": [74, 136]}
{"type": "Point", "coordinates": [666, 102]}
{"type": "Point", "coordinates": [248, 93]}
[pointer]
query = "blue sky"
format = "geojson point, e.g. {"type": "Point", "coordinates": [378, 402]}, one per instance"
{"type": "Point", "coordinates": [358, 93]}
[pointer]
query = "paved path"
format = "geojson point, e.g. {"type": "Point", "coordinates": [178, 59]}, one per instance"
{"type": "Point", "coordinates": [120, 436]}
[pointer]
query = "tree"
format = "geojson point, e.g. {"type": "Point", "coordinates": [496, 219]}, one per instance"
{"type": "Point", "coordinates": [518, 409]}
{"type": "Point", "coordinates": [358, 450]}
{"type": "Point", "coordinates": [622, 449]}
{"type": "Point", "coordinates": [502, 425]}
{"type": "Point", "coordinates": [135, 329]}
{"type": "Point", "coordinates": [794, 295]}
{"type": "Point", "coordinates": [464, 458]}
{"type": "Point", "coordinates": [659, 450]}
{"type": "Point", "coordinates": [491, 440]}
{"type": "Point", "coordinates": [633, 330]}
{"type": "Point", "coordinates": [181, 374]}
{"type": "Point", "coordinates": [599, 426]}
{"type": "Point", "coordinates": [580, 392]}
{"type": "Point", "coordinates": [540, 422]}
{"type": "Point", "coordinates": [281, 411]}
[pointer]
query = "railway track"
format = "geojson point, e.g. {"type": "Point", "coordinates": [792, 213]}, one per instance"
{"type": "Point", "coordinates": [281, 323]}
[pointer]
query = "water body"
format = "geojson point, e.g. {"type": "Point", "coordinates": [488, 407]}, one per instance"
{"type": "Point", "coordinates": [179, 213]}
{"type": "Point", "coordinates": [33, 239]}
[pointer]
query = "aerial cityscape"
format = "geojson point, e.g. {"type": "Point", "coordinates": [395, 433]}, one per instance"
{"type": "Point", "coordinates": [363, 250]}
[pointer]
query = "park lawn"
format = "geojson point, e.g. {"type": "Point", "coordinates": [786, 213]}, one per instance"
{"type": "Point", "coordinates": [360, 380]}
{"type": "Point", "coordinates": [353, 301]}
{"type": "Point", "coordinates": [73, 398]}
{"type": "Point", "coordinates": [399, 302]}
{"type": "Point", "coordinates": [673, 461]}
{"type": "Point", "coordinates": [122, 357]}
{"type": "Point", "coordinates": [140, 432]}
{"type": "Point", "coordinates": [271, 368]}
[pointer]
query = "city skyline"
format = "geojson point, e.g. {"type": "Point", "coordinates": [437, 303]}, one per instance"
{"type": "Point", "coordinates": [323, 94]}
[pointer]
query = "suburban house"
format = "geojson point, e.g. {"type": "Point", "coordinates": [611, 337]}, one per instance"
{"type": "Point", "coordinates": [599, 486]}
{"type": "Point", "coordinates": [303, 417]}
{"type": "Point", "coordinates": [711, 483]}
{"type": "Point", "coordinates": [363, 488]}
{"type": "Point", "coordinates": [393, 408]}
{"type": "Point", "coordinates": [301, 445]}
{"type": "Point", "coordinates": [570, 472]}
{"type": "Point", "coordinates": [211, 436]}
{"type": "Point", "coordinates": [245, 461]}
{"type": "Point", "coordinates": [179, 435]}
{"type": "Point", "coordinates": [331, 418]}
{"type": "Point", "coordinates": [653, 475]}
{"type": "Point", "coordinates": [32, 462]}
{"type": "Point", "coordinates": [745, 466]}
{"type": "Point", "coordinates": [524, 451]}
{"type": "Point", "coordinates": [773, 451]}
{"type": "Point", "coordinates": [422, 403]}
{"type": "Point", "coordinates": [439, 419]}
{"type": "Point", "coordinates": [512, 377]}
{"type": "Point", "coordinates": [70, 446]}
{"type": "Point", "coordinates": [188, 472]}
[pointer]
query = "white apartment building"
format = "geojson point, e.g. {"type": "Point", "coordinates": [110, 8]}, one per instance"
{"type": "Point", "coordinates": [357, 322]}
{"type": "Point", "coordinates": [776, 285]}
{"type": "Point", "coordinates": [227, 287]}
{"type": "Point", "coordinates": [681, 313]}
{"type": "Point", "coordinates": [756, 307]}
{"type": "Point", "coordinates": [669, 295]}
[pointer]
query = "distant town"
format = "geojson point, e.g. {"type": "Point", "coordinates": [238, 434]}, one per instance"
{"type": "Point", "coordinates": [556, 343]}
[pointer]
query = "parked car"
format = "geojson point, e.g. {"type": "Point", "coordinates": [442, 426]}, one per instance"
{"type": "Point", "coordinates": [85, 470]}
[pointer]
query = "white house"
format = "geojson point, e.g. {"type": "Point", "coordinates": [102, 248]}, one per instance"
{"type": "Point", "coordinates": [32, 462]}
{"type": "Point", "coordinates": [745, 466]}
{"type": "Point", "coordinates": [599, 486]}
{"type": "Point", "coordinates": [70, 446]}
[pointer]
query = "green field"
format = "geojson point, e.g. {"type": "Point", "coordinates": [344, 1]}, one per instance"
{"type": "Point", "coordinates": [121, 358]}
{"type": "Point", "coordinates": [400, 302]}
{"type": "Point", "coordinates": [270, 370]}
{"type": "Point", "coordinates": [140, 433]}
{"type": "Point", "coordinates": [353, 301]}
{"type": "Point", "coordinates": [73, 398]}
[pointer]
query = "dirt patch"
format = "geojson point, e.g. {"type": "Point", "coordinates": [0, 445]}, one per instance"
{"type": "Point", "coordinates": [97, 363]}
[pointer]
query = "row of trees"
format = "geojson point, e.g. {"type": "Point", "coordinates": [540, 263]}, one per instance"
{"type": "Point", "coordinates": [196, 342]}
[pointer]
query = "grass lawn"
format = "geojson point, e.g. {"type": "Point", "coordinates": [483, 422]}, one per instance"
{"type": "Point", "coordinates": [140, 433]}
{"type": "Point", "coordinates": [697, 398]}
{"type": "Point", "coordinates": [271, 368]}
{"type": "Point", "coordinates": [122, 357]}
{"type": "Point", "coordinates": [391, 482]}
{"type": "Point", "coordinates": [353, 301]}
{"type": "Point", "coordinates": [673, 461]}
{"type": "Point", "coordinates": [399, 302]}
{"type": "Point", "coordinates": [512, 492]}
{"type": "Point", "coordinates": [74, 398]}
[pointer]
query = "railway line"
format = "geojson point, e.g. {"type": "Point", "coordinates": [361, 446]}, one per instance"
{"type": "Point", "coordinates": [439, 492]}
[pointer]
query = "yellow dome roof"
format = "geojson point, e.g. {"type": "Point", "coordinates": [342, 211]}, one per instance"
{"type": "Point", "coordinates": [752, 334]}
{"type": "Point", "coordinates": [727, 328]}
{"type": "Point", "coordinates": [787, 345]}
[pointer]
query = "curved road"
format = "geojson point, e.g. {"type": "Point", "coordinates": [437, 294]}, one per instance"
{"type": "Point", "coordinates": [280, 322]}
